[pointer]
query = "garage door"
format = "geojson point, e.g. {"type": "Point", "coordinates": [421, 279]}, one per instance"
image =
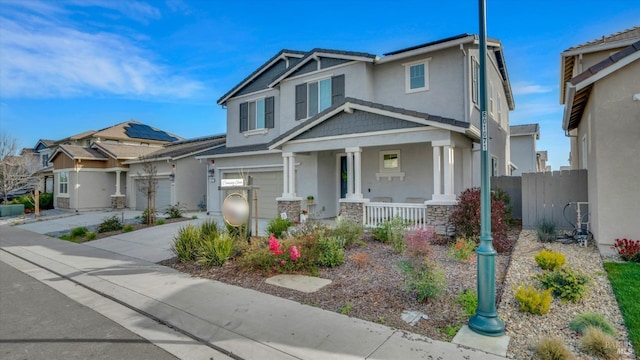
{"type": "Point", "coordinates": [163, 196]}
{"type": "Point", "coordinates": [270, 183]}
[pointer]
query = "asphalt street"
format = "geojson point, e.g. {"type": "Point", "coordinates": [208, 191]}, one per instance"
{"type": "Point", "coordinates": [38, 322]}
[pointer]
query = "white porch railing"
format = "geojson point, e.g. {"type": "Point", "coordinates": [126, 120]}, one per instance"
{"type": "Point", "coordinates": [377, 212]}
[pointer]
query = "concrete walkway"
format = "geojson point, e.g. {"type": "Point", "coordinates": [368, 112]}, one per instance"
{"type": "Point", "coordinates": [242, 323]}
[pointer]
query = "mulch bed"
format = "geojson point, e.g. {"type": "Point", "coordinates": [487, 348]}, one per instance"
{"type": "Point", "coordinates": [373, 292]}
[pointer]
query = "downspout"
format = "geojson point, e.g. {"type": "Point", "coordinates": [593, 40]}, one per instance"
{"type": "Point", "coordinates": [77, 185]}
{"type": "Point", "coordinates": [465, 81]}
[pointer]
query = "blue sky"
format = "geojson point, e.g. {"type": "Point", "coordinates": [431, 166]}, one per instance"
{"type": "Point", "coordinates": [71, 66]}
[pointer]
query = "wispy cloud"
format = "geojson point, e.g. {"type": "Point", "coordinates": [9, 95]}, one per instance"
{"type": "Point", "coordinates": [43, 54]}
{"type": "Point", "coordinates": [527, 87]}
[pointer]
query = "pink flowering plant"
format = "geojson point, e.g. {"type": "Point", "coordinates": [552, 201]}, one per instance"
{"type": "Point", "coordinates": [629, 250]}
{"type": "Point", "coordinates": [284, 261]}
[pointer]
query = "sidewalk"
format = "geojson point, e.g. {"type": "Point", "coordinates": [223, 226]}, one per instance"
{"type": "Point", "coordinates": [245, 323]}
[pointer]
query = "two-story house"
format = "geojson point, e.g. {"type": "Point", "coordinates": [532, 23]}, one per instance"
{"type": "Point", "coordinates": [89, 168]}
{"type": "Point", "coordinates": [600, 89]}
{"type": "Point", "coordinates": [524, 154]}
{"type": "Point", "coordinates": [357, 131]}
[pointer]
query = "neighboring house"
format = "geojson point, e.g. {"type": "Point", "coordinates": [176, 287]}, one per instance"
{"type": "Point", "coordinates": [354, 130]}
{"type": "Point", "coordinates": [600, 89]}
{"type": "Point", "coordinates": [181, 178]}
{"type": "Point", "coordinates": [89, 168]}
{"type": "Point", "coordinates": [524, 154]}
{"type": "Point", "coordinates": [44, 148]}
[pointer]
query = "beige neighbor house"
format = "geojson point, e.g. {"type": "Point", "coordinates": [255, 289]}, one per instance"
{"type": "Point", "coordinates": [600, 89]}
{"type": "Point", "coordinates": [181, 178]}
{"type": "Point", "coordinates": [366, 136]}
{"type": "Point", "coordinates": [89, 169]}
{"type": "Point", "coordinates": [525, 158]}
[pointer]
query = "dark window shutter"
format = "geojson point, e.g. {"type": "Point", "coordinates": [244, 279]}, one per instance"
{"type": "Point", "coordinates": [268, 113]}
{"type": "Point", "coordinates": [244, 117]}
{"type": "Point", "coordinates": [301, 101]}
{"type": "Point", "coordinates": [337, 89]}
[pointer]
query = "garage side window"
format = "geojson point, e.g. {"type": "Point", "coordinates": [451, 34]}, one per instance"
{"type": "Point", "coordinates": [63, 181]}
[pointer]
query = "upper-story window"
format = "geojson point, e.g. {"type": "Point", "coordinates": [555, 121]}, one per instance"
{"type": "Point", "coordinates": [499, 110]}
{"type": "Point", "coordinates": [257, 114]}
{"type": "Point", "coordinates": [315, 96]}
{"type": "Point", "coordinates": [45, 160]}
{"type": "Point", "coordinates": [490, 97]}
{"type": "Point", "coordinates": [494, 166]}
{"type": "Point", "coordinates": [416, 76]}
{"type": "Point", "coordinates": [475, 82]}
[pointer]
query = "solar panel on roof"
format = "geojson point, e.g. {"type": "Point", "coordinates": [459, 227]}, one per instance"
{"type": "Point", "coordinates": [141, 131]}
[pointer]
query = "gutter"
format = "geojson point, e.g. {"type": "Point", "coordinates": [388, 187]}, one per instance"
{"type": "Point", "coordinates": [569, 95]}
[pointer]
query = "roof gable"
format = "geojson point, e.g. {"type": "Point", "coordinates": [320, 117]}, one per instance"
{"type": "Point", "coordinates": [525, 129]}
{"type": "Point", "coordinates": [123, 151]}
{"type": "Point", "coordinates": [190, 147]}
{"type": "Point", "coordinates": [76, 152]}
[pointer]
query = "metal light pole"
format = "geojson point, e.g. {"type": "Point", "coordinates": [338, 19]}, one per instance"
{"type": "Point", "coordinates": [485, 321]}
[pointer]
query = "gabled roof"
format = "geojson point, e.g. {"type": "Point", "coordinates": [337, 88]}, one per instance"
{"type": "Point", "coordinates": [185, 148]}
{"type": "Point", "coordinates": [451, 38]}
{"type": "Point", "coordinates": [348, 104]}
{"type": "Point", "coordinates": [279, 56]}
{"type": "Point", "coordinates": [123, 151]}
{"type": "Point", "coordinates": [525, 129]}
{"type": "Point", "coordinates": [316, 53]}
{"type": "Point", "coordinates": [235, 150]}
{"type": "Point", "coordinates": [45, 143]}
{"type": "Point", "coordinates": [128, 130]}
{"type": "Point", "coordinates": [613, 39]}
{"type": "Point", "coordinates": [579, 88]}
{"type": "Point", "coordinates": [76, 152]}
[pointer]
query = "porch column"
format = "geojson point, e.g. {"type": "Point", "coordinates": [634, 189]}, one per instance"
{"type": "Point", "coordinates": [357, 171]}
{"type": "Point", "coordinates": [285, 176]}
{"type": "Point", "coordinates": [118, 183]}
{"type": "Point", "coordinates": [437, 172]}
{"type": "Point", "coordinates": [467, 169]}
{"type": "Point", "coordinates": [350, 173]}
{"type": "Point", "coordinates": [292, 174]}
{"type": "Point", "coordinates": [448, 171]}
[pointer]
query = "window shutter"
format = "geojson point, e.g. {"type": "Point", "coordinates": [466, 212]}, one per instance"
{"type": "Point", "coordinates": [244, 117]}
{"type": "Point", "coordinates": [268, 113]}
{"type": "Point", "coordinates": [301, 101]}
{"type": "Point", "coordinates": [337, 89]}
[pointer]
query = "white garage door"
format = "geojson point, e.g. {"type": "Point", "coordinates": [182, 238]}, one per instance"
{"type": "Point", "coordinates": [163, 196]}
{"type": "Point", "coordinates": [270, 183]}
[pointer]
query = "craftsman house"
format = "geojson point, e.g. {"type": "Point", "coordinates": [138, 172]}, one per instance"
{"type": "Point", "coordinates": [364, 135]}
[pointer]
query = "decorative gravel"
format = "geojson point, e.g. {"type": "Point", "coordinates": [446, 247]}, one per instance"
{"type": "Point", "coordinates": [526, 329]}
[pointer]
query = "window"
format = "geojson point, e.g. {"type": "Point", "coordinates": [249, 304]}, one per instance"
{"type": "Point", "coordinates": [417, 76]}
{"type": "Point", "coordinates": [45, 160]}
{"type": "Point", "coordinates": [490, 97]}
{"type": "Point", "coordinates": [494, 166]}
{"type": "Point", "coordinates": [63, 181]}
{"type": "Point", "coordinates": [584, 151]}
{"type": "Point", "coordinates": [257, 114]}
{"type": "Point", "coordinates": [390, 161]}
{"type": "Point", "coordinates": [475, 82]}
{"type": "Point", "coordinates": [318, 95]}
{"type": "Point", "coordinates": [499, 108]}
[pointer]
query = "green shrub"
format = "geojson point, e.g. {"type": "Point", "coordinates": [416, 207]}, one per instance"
{"type": "Point", "coordinates": [175, 211]}
{"type": "Point", "coordinates": [46, 201]}
{"type": "Point", "coordinates": [552, 349]}
{"type": "Point", "coordinates": [468, 299]}
{"type": "Point", "coordinates": [91, 236]}
{"type": "Point", "coordinates": [546, 230]}
{"type": "Point", "coordinates": [349, 230]}
{"type": "Point", "coordinates": [425, 278]}
{"type": "Point", "coordinates": [346, 309]}
{"type": "Point", "coordinates": [533, 301]}
{"type": "Point", "coordinates": [186, 243]}
{"type": "Point", "coordinates": [597, 343]}
{"type": "Point", "coordinates": [144, 219]}
{"type": "Point", "coordinates": [391, 231]}
{"type": "Point", "coordinates": [215, 249]}
{"type": "Point", "coordinates": [582, 321]}
{"type": "Point", "coordinates": [462, 250]}
{"type": "Point", "coordinates": [331, 252]}
{"type": "Point", "coordinates": [160, 222]}
{"type": "Point", "coordinates": [236, 231]}
{"type": "Point", "coordinates": [209, 227]}
{"type": "Point", "coordinates": [110, 224]}
{"type": "Point", "coordinates": [565, 283]}
{"type": "Point", "coordinates": [466, 219]}
{"type": "Point", "coordinates": [26, 200]}
{"type": "Point", "coordinates": [78, 232]}
{"type": "Point", "coordinates": [549, 260]}
{"type": "Point", "coordinates": [128, 228]}
{"type": "Point", "coordinates": [498, 194]}
{"type": "Point", "coordinates": [278, 226]}
{"type": "Point", "coordinates": [256, 256]}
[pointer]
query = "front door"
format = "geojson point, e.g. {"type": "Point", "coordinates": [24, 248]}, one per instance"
{"type": "Point", "coordinates": [343, 177]}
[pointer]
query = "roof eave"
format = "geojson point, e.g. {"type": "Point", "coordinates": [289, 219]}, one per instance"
{"type": "Point", "coordinates": [600, 47]}
{"type": "Point", "coordinates": [426, 49]}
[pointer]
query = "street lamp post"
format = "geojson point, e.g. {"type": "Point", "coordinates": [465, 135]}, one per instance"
{"type": "Point", "coordinates": [485, 321]}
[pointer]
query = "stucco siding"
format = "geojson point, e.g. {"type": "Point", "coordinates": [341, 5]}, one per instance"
{"type": "Point", "coordinates": [523, 154]}
{"type": "Point", "coordinates": [190, 183]}
{"type": "Point", "coordinates": [235, 137]}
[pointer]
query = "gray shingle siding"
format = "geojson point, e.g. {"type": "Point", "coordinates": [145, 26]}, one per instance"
{"type": "Point", "coordinates": [326, 62]}
{"type": "Point", "coordinates": [311, 66]}
{"type": "Point", "coordinates": [261, 82]}
{"type": "Point", "coordinates": [358, 122]}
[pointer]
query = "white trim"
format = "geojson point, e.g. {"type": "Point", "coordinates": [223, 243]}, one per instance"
{"type": "Point", "coordinates": [261, 131]}
{"type": "Point", "coordinates": [600, 47]}
{"type": "Point", "coordinates": [275, 166]}
{"type": "Point", "coordinates": [426, 49]}
{"type": "Point", "coordinates": [355, 135]}
{"type": "Point", "coordinates": [382, 168]}
{"type": "Point", "coordinates": [407, 76]}
{"type": "Point", "coordinates": [249, 95]}
{"type": "Point", "coordinates": [610, 69]}
{"type": "Point", "coordinates": [314, 57]}
{"type": "Point", "coordinates": [247, 153]}
{"type": "Point", "coordinates": [297, 77]}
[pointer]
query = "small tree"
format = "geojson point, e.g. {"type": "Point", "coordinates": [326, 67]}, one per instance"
{"type": "Point", "coordinates": [17, 171]}
{"type": "Point", "coordinates": [148, 186]}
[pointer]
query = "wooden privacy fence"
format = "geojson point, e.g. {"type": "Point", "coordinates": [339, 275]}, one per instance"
{"type": "Point", "coordinates": [512, 185]}
{"type": "Point", "coordinates": [544, 196]}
